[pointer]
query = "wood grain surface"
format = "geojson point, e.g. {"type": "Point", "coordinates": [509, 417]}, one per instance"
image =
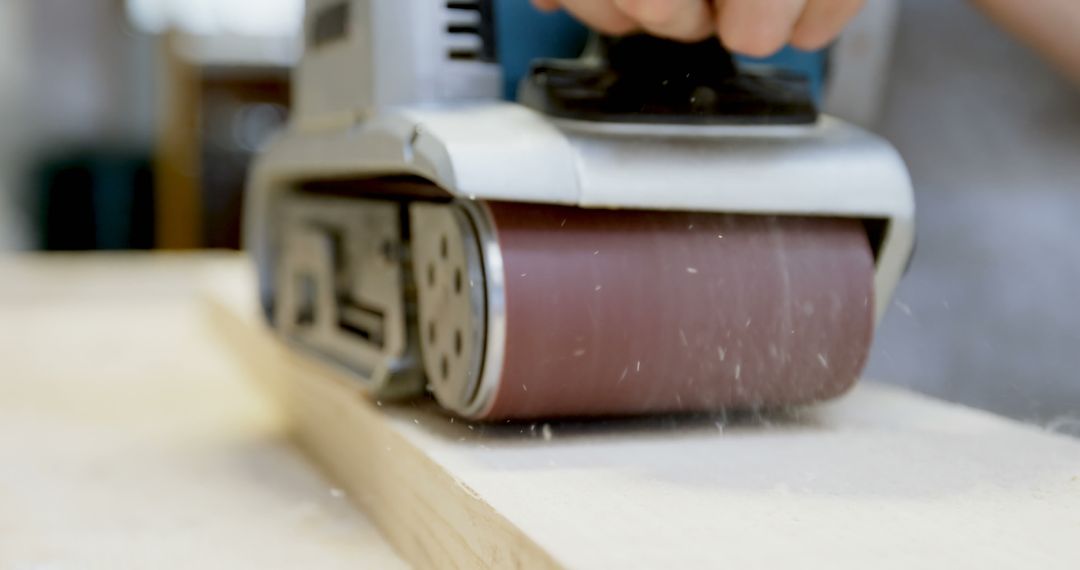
{"type": "Point", "coordinates": [880, 479]}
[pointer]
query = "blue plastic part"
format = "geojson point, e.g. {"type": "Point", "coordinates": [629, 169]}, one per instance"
{"type": "Point", "coordinates": [523, 33]}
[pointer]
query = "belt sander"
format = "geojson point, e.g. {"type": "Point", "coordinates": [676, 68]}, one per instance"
{"type": "Point", "coordinates": [650, 228]}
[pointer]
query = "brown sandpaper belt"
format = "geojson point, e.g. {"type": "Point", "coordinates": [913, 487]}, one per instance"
{"type": "Point", "coordinates": [624, 312]}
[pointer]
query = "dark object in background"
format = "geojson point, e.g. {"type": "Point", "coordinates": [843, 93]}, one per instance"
{"type": "Point", "coordinates": [95, 200]}
{"type": "Point", "coordinates": [240, 110]}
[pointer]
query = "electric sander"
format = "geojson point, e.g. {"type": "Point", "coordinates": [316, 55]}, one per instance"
{"type": "Point", "coordinates": [649, 229]}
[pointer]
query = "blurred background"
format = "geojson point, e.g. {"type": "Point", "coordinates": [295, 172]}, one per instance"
{"type": "Point", "coordinates": [129, 124]}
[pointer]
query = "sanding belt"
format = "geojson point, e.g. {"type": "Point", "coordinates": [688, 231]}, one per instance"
{"type": "Point", "coordinates": [627, 312]}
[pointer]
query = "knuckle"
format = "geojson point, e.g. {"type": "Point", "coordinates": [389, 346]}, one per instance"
{"type": "Point", "coordinates": [752, 44]}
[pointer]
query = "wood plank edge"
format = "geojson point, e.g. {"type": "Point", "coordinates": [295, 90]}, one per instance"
{"type": "Point", "coordinates": [431, 519]}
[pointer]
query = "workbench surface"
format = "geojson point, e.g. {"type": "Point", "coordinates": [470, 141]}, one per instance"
{"type": "Point", "coordinates": [132, 434]}
{"type": "Point", "coordinates": [130, 439]}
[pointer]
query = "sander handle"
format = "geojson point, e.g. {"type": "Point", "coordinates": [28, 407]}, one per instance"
{"type": "Point", "coordinates": [646, 79]}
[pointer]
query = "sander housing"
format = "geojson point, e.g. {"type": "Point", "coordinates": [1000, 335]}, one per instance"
{"type": "Point", "coordinates": [650, 229]}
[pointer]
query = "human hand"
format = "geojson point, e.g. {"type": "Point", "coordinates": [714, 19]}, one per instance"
{"type": "Point", "coordinates": [751, 27]}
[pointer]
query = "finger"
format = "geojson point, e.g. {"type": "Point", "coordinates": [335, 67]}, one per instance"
{"type": "Point", "coordinates": [822, 21]}
{"type": "Point", "coordinates": [601, 15]}
{"type": "Point", "coordinates": [757, 28]}
{"type": "Point", "coordinates": [687, 20]}
{"type": "Point", "coordinates": [546, 5]}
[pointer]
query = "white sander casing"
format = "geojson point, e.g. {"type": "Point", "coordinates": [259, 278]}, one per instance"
{"type": "Point", "coordinates": [504, 151]}
{"type": "Point", "coordinates": [467, 150]}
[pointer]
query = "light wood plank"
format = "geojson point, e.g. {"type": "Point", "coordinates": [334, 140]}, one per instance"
{"type": "Point", "coordinates": [129, 438]}
{"type": "Point", "coordinates": [880, 479]}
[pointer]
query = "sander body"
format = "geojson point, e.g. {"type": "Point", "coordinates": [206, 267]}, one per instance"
{"type": "Point", "coordinates": [649, 229]}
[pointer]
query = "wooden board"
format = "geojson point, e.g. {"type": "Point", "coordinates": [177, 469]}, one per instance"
{"type": "Point", "coordinates": [880, 479]}
{"type": "Point", "coordinates": [130, 439]}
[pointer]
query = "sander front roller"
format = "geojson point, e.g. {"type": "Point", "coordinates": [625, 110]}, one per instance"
{"type": "Point", "coordinates": [629, 240]}
{"type": "Point", "coordinates": [538, 311]}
